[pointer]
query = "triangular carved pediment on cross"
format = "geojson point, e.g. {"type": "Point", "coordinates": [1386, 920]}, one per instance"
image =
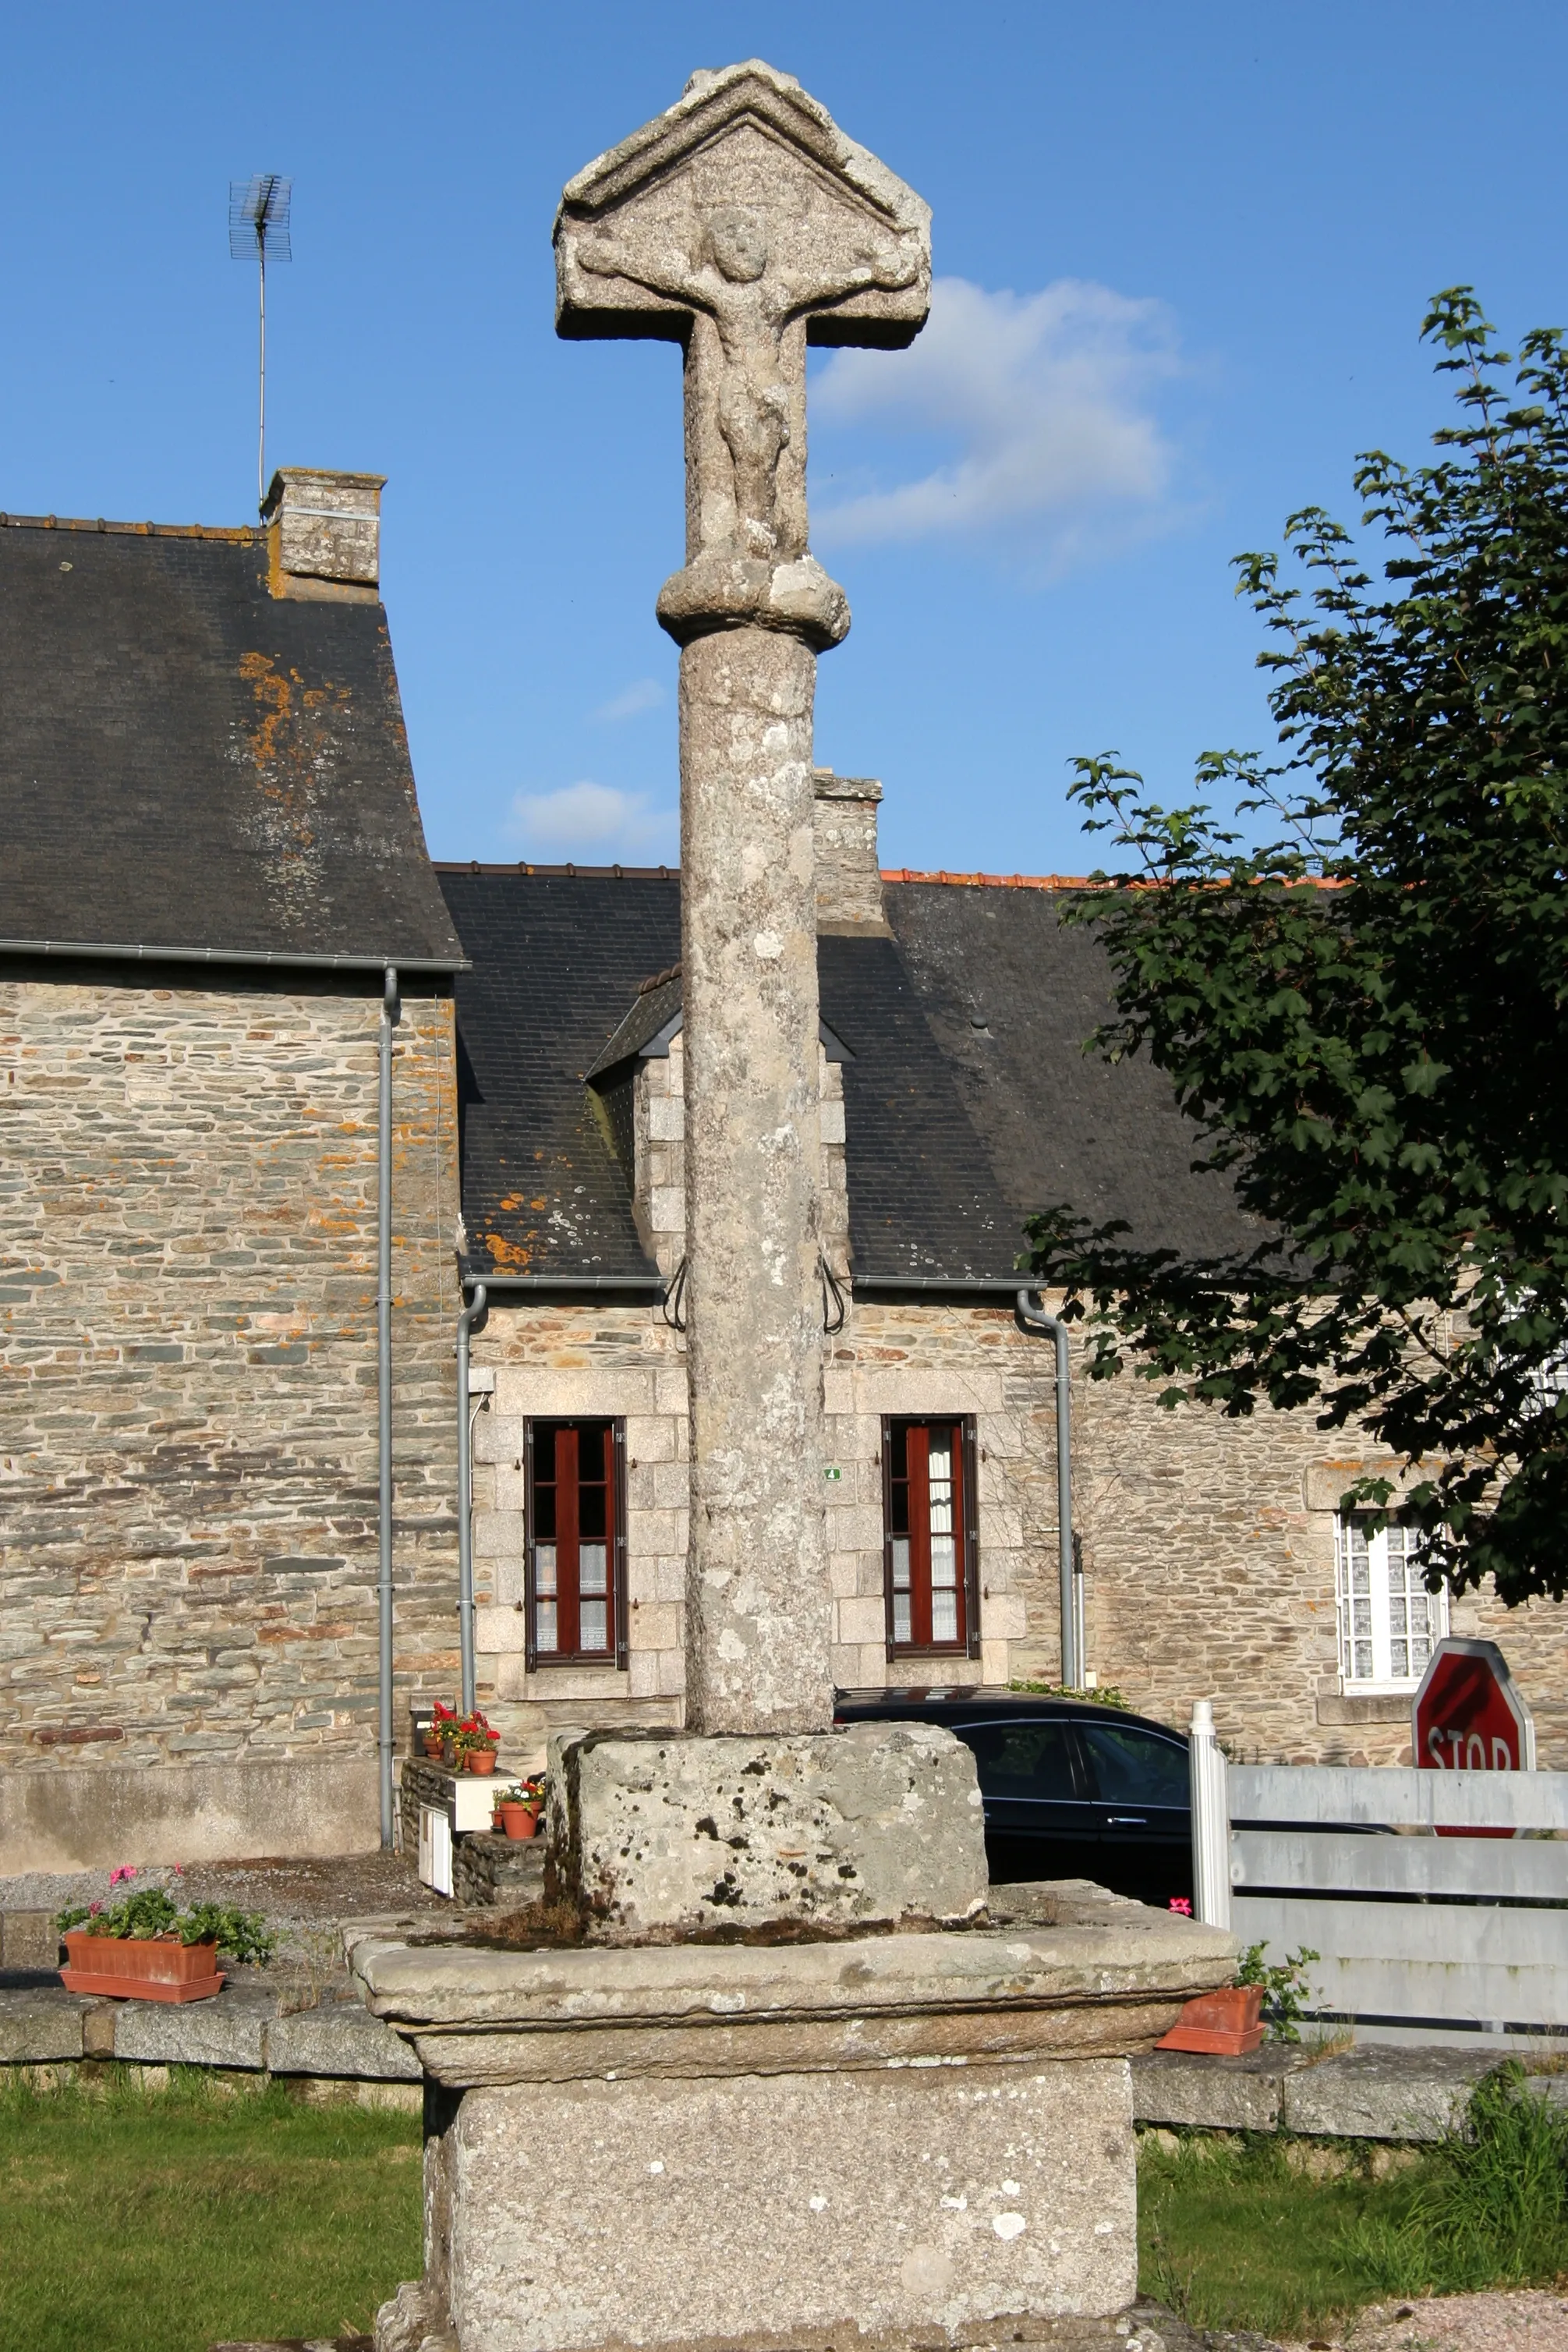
{"type": "Point", "coordinates": [743, 225]}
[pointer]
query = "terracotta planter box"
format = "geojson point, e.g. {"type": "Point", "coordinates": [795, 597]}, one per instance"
{"type": "Point", "coordinates": [1219, 2024]}
{"type": "Point", "coordinates": [126, 1970]}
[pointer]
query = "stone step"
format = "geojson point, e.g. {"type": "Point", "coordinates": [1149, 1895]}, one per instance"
{"type": "Point", "coordinates": [246, 2027]}
{"type": "Point", "coordinates": [1380, 2091]}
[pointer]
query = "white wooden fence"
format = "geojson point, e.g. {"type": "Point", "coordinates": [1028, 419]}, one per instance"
{"type": "Point", "coordinates": [1422, 1938]}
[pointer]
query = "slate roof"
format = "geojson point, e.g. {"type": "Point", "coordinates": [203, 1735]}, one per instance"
{"type": "Point", "coordinates": [1058, 1124]}
{"type": "Point", "coordinates": [188, 761]}
{"type": "Point", "coordinates": [954, 1133]}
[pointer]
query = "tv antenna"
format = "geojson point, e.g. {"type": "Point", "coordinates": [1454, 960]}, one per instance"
{"type": "Point", "coordinates": [258, 223]}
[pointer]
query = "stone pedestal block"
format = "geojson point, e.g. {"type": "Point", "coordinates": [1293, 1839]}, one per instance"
{"type": "Point", "coordinates": [880, 2139]}
{"type": "Point", "coordinates": [777, 2210]}
{"type": "Point", "coordinates": [876, 1823]}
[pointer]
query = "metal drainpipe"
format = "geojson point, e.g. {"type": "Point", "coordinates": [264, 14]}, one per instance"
{"type": "Point", "coordinates": [471, 1315]}
{"type": "Point", "coordinates": [385, 1401]}
{"type": "Point", "coordinates": [1035, 1319]}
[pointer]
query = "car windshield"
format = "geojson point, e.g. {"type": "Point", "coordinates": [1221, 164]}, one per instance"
{"type": "Point", "coordinates": [1020, 1759]}
{"type": "Point", "coordinates": [1133, 1767]}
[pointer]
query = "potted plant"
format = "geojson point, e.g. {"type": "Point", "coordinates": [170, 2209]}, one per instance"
{"type": "Point", "coordinates": [144, 1947]}
{"type": "Point", "coordinates": [475, 1743]}
{"type": "Point", "coordinates": [518, 1810]}
{"type": "Point", "coordinates": [439, 1731]}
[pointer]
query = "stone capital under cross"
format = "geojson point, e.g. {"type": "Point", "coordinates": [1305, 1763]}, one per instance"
{"type": "Point", "coordinates": [743, 225]}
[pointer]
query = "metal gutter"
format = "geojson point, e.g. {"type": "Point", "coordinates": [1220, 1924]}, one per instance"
{"type": "Point", "coordinates": [1035, 1319]}
{"type": "Point", "coordinates": [384, 1405]}
{"type": "Point", "coordinates": [285, 959]}
{"type": "Point", "coordinates": [1003, 1286]}
{"type": "Point", "coordinates": [472, 1313]}
{"type": "Point", "coordinates": [638, 1285]}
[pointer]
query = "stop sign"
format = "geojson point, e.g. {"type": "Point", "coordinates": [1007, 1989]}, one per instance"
{"type": "Point", "coordinates": [1468, 1715]}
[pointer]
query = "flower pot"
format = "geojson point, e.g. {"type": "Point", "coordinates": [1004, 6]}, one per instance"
{"type": "Point", "coordinates": [517, 1821]}
{"type": "Point", "coordinates": [481, 1760]}
{"type": "Point", "coordinates": [126, 1967]}
{"type": "Point", "coordinates": [449, 1756]}
{"type": "Point", "coordinates": [1225, 2024]}
{"type": "Point", "coordinates": [432, 1745]}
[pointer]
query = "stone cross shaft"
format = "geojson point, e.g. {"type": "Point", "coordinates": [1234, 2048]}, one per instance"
{"type": "Point", "coordinates": [744, 226]}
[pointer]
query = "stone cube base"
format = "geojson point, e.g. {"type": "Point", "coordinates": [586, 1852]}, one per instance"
{"type": "Point", "coordinates": [664, 1831]}
{"type": "Point", "coordinates": [783, 2210]}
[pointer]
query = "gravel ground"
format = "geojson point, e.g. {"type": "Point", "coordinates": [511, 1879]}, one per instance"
{"type": "Point", "coordinates": [305, 1901]}
{"type": "Point", "coordinates": [1529, 2320]}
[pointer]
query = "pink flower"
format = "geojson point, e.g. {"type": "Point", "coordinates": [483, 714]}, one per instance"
{"type": "Point", "coordinates": [1179, 1902]}
{"type": "Point", "coordinates": [126, 1870]}
{"type": "Point", "coordinates": [93, 1909]}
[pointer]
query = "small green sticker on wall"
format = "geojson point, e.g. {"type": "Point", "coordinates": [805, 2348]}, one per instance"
{"type": "Point", "coordinates": [834, 1473]}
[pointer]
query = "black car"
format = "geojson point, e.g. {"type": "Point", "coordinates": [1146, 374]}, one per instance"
{"type": "Point", "coordinates": [1071, 1790]}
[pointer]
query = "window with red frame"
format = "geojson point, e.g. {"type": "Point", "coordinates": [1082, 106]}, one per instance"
{"type": "Point", "coordinates": [931, 1543]}
{"type": "Point", "coordinates": [576, 1548]}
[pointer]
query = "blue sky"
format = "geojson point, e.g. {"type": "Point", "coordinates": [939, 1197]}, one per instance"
{"type": "Point", "coordinates": [1182, 256]}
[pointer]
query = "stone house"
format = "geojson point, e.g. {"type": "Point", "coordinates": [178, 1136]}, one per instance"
{"type": "Point", "coordinates": [210, 860]}
{"type": "Point", "coordinates": [955, 1098]}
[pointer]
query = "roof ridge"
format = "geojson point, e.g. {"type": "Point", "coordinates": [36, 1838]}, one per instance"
{"type": "Point", "coordinates": [995, 881]}
{"type": "Point", "coordinates": [245, 533]}
{"type": "Point", "coordinates": [577, 873]}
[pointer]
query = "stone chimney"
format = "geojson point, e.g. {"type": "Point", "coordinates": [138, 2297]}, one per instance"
{"type": "Point", "coordinates": [849, 879]}
{"type": "Point", "coordinates": [324, 534]}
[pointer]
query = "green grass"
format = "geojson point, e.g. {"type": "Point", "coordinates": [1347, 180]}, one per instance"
{"type": "Point", "coordinates": [141, 2220]}
{"type": "Point", "coordinates": [1231, 2236]}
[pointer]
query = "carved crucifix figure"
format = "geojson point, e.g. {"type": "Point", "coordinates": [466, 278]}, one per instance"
{"type": "Point", "coordinates": [729, 271]}
{"type": "Point", "coordinates": [743, 225]}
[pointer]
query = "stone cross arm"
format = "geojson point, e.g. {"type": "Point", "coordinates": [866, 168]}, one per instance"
{"type": "Point", "coordinates": [743, 225]}
{"type": "Point", "coordinates": [745, 179]}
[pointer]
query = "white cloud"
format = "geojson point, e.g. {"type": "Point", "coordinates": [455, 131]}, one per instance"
{"type": "Point", "coordinates": [597, 823]}
{"type": "Point", "coordinates": [1048, 399]}
{"type": "Point", "coordinates": [642, 694]}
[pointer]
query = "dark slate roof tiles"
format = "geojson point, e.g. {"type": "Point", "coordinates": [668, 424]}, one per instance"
{"type": "Point", "coordinates": [188, 761]}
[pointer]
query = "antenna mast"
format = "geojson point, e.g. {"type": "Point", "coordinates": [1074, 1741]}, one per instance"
{"type": "Point", "coordinates": [258, 223]}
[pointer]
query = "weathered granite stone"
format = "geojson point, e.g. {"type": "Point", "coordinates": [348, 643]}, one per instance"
{"type": "Point", "coordinates": [1385, 2092]}
{"type": "Point", "coordinates": [790, 2181]}
{"type": "Point", "coordinates": [230, 2030]}
{"type": "Point", "coordinates": [28, 1940]}
{"type": "Point", "coordinates": [877, 1822]}
{"type": "Point", "coordinates": [1174, 2086]}
{"type": "Point", "coordinates": [479, 2016]}
{"type": "Point", "coordinates": [340, 2040]}
{"type": "Point", "coordinates": [755, 2211]}
{"type": "Point", "coordinates": [743, 225]}
{"type": "Point", "coordinates": [40, 2027]}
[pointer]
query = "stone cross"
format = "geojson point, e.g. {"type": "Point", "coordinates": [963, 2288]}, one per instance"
{"type": "Point", "coordinates": [743, 225]}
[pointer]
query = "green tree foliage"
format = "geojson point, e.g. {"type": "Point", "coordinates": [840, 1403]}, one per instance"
{"type": "Point", "coordinates": [1365, 1015]}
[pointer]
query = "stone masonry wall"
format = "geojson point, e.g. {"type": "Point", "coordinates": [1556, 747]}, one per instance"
{"type": "Point", "coordinates": [188, 1485]}
{"type": "Point", "coordinates": [1207, 1543]}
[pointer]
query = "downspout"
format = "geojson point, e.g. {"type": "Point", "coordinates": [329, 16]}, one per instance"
{"type": "Point", "coordinates": [471, 1314]}
{"type": "Point", "coordinates": [1035, 1319]}
{"type": "Point", "coordinates": [384, 1402]}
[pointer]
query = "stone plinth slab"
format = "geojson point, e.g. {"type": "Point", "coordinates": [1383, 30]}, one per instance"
{"type": "Point", "coordinates": [661, 1832]}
